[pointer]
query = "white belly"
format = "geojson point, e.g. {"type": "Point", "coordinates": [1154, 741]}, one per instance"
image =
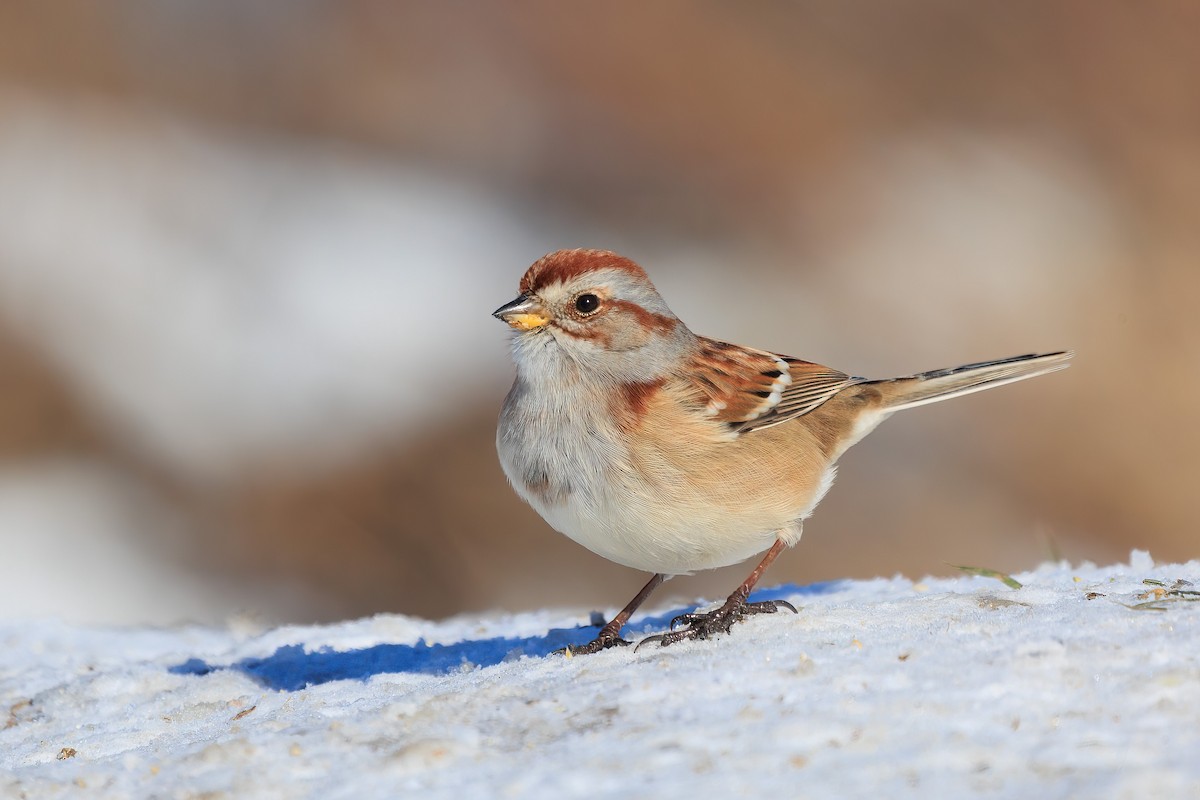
{"type": "Point", "coordinates": [582, 483]}
{"type": "Point", "coordinates": [655, 537]}
{"type": "Point", "coordinates": [657, 530]}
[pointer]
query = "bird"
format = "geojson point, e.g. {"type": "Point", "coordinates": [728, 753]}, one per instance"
{"type": "Point", "coordinates": [670, 452]}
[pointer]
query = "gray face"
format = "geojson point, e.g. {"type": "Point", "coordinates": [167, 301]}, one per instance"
{"type": "Point", "coordinates": [609, 323]}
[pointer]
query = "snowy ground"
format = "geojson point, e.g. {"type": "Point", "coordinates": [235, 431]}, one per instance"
{"type": "Point", "coordinates": [1083, 683]}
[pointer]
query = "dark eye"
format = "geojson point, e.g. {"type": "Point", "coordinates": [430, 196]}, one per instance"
{"type": "Point", "coordinates": [587, 303]}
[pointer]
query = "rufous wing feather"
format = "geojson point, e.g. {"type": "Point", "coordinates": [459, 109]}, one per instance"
{"type": "Point", "coordinates": [752, 389]}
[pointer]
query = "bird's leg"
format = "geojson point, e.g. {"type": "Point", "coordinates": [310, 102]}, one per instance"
{"type": "Point", "coordinates": [702, 626]}
{"type": "Point", "coordinates": [610, 634]}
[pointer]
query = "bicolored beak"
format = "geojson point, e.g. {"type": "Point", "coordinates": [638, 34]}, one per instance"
{"type": "Point", "coordinates": [524, 314]}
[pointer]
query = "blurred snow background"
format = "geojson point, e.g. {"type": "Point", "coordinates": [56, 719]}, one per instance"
{"type": "Point", "coordinates": [248, 255]}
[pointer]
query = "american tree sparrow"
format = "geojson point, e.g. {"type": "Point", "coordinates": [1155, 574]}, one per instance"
{"type": "Point", "coordinates": [670, 452]}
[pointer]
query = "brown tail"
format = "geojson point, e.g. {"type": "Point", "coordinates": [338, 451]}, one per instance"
{"type": "Point", "coordinates": [942, 384]}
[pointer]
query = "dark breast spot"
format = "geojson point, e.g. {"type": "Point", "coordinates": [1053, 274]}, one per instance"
{"type": "Point", "coordinates": [550, 492]}
{"type": "Point", "coordinates": [637, 396]}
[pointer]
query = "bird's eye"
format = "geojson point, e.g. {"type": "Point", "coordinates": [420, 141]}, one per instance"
{"type": "Point", "coordinates": [587, 303]}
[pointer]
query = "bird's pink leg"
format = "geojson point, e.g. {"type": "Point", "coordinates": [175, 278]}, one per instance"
{"type": "Point", "coordinates": [610, 634]}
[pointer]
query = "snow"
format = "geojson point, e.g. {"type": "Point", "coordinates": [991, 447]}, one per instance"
{"type": "Point", "coordinates": [1069, 686]}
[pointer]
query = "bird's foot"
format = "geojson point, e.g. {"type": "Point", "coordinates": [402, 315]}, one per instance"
{"type": "Point", "coordinates": [607, 638]}
{"type": "Point", "coordinates": [710, 623]}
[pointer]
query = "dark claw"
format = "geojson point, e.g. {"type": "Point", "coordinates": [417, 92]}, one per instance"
{"type": "Point", "coordinates": [684, 619]}
{"type": "Point", "coordinates": [663, 639]}
{"type": "Point", "coordinates": [768, 607]}
{"type": "Point", "coordinates": [721, 620]}
{"type": "Point", "coordinates": [594, 646]}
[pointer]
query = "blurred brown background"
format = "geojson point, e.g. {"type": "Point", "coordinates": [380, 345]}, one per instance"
{"type": "Point", "coordinates": [248, 253]}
